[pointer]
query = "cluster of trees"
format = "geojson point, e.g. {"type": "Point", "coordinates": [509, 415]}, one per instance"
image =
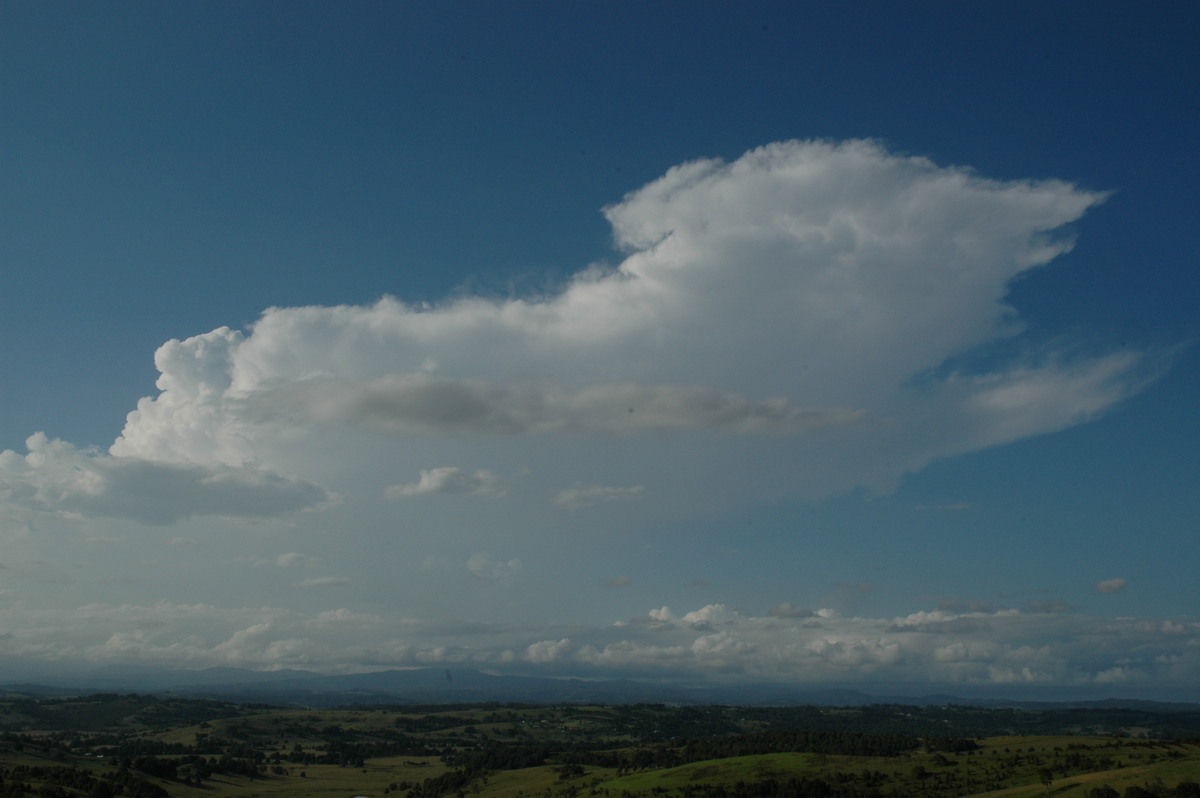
{"type": "Point", "coordinates": [194, 769]}
{"type": "Point", "coordinates": [472, 764]}
{"type": "Point", "coordinates": [683, 752]}
{"type": "Point", "coordinates": [499, 757]}
{"type": "Point", "coordinates": [454, 781]}
{"type": "Point", "coordinates": [55, 781]}
{"type": "Point", "coordinates": [789, 788]}
{"type": "Point", "coordinates": [1152, 789]}
{"type": "Point", "coordinates": [351, 753]}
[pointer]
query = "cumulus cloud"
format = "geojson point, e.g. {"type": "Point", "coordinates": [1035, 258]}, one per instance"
{"type": "Point", "coordinates": [481, 565]}
{"type": "Point", "coordinates": [582, 496]}
{"type": "Point", "coordinates": [450, 479]}
{"type": "Point", "coordinates": [808, 290]}
{"type": "Point", "coordinates": [57, 477]}
{"type": "Point", "coordinates": [789, 610]}
{"type": "Point", "coordinates": [1114, 585]}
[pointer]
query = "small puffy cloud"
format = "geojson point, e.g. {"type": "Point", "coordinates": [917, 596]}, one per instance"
{"type": "Point", "coordinates": [789, 610]}
{"type": "Point", "coordinates": [482, 566]}
{"type": "Point", "coordinates": [708, 616]}
{"type": "Point", "coordinates": [1115, 585]}
{"type": "Point", "coordinates": [449, 479]}
{"type": "Point", "coordinates": [581, 496]}
{"type": "Point", "coordinates": [619, 581]}
{"type": "Point", "coordinates": [546, 651]}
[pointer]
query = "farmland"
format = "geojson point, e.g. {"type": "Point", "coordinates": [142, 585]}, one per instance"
{"type": "Point", "coordinates": [151, 747]}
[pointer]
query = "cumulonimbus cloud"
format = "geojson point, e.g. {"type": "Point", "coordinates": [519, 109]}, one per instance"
{"type": "Point", "coordinates": [809, 292]}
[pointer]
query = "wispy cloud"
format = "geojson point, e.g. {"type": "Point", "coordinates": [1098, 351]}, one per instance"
{"type": "Point", "coordinates": [581, 496]}
{"type": "Point", "coordinates": [325, 581]}
{"type": "Point", "coordinates": [294, 559]}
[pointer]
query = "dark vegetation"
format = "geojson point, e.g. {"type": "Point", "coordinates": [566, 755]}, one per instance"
{"type": "Point", "coordinates": [149, 747]}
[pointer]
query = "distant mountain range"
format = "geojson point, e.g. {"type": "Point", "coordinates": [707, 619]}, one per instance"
{"type": "Point", "coordinates": [462, 686]}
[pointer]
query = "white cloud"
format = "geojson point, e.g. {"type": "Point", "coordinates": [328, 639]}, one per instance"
{"type": "Point", "coordinates": [969, 650]}
{"type": "Point", "coordinates": [450, 479]}
{"type": "Point", "coordinates": [481, 565]}
{"type": "Point", "coordinates": [581, 496]}
{"type": "Point", "coordinates": [1115, 585]}
{"type": "Point", "coordinates": [809, 319]}
{"type": "Point", "coordinates": [55, 476]}
{"type": "Point", "coordinates": [293, 559]}
{"type": "Point", "coordinates": [546, 651]}
{"type": "Point", "coordinates": [808, 290]}
{"type": "Point", "coordinates": [708, 616]}
{"type": "Point", "coordinates": [790, 610]}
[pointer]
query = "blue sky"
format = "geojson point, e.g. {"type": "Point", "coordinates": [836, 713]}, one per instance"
{"type": "Point", "coordinates": [809, 342]}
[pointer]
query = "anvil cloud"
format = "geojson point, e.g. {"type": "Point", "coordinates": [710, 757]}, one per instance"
{"type": "Point", "coordinates": [809, 319]}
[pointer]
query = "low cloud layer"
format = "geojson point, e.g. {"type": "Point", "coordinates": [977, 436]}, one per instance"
{"type": "Point", "coordinates": [972, 649]}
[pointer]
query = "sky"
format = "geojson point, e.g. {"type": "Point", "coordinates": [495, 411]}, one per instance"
{"type": "Point", "coordinates": [809, 343]}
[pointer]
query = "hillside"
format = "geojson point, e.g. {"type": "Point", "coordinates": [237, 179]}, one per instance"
{"type": "Point", "coordinates": [147, 747]}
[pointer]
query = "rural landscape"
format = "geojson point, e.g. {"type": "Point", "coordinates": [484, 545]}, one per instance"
{"type": "Point", "coordinates": [146, 746]}
{"type": "Point", "coordinates": [599, 399]}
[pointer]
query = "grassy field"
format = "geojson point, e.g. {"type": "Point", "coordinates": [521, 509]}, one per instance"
{"type": "Point", "coordinates": [297, 753]}
{"type": "Point", "coordinates": [318, 781]}
{"type": "Point", "coordinates": [761, 767]}
{"type": "Point", "coordinates": [991, 771]}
